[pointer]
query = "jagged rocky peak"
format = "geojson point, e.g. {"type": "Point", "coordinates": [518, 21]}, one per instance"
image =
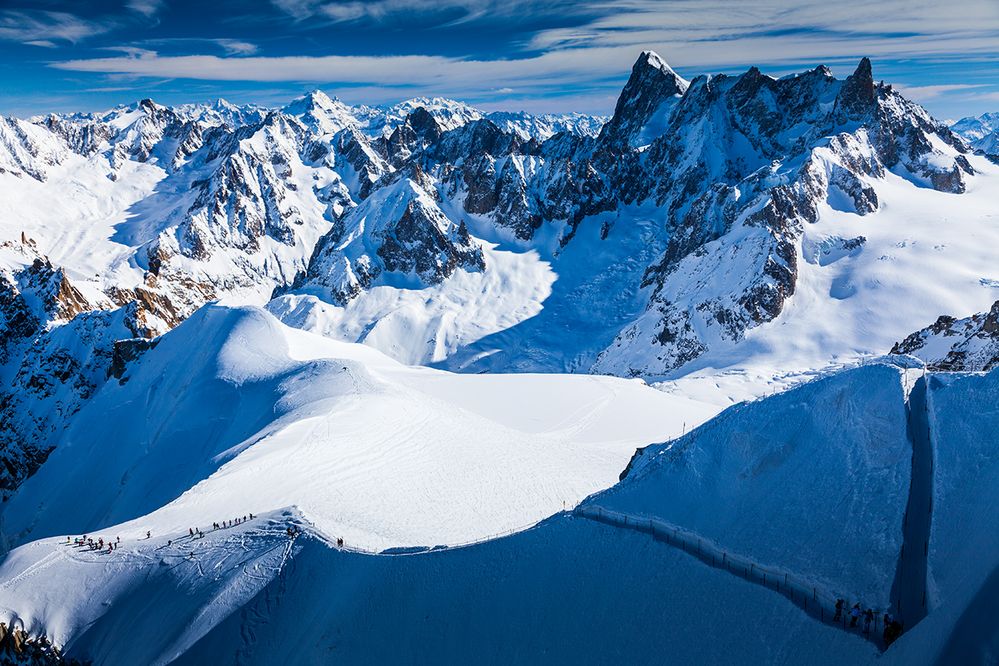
{"type": "Point", "coordinates": [35, 294]}
{"type": "Point", "coordinates": [645, 102]}
{"type": "Point", "coordinates": [419, 130]}
{"type": "Point", "coordinates": [398, 230]}
{"type": "Point", "coordinates": [150, 132]}
{"type": "Point", "coordinates": [801, 140]}
{"type": "Point", "coordinates": [27, 149]}
{"type": "Point", "coordinates": [858, 94]}
{"type": "Point", "coordinates": [967, 345]}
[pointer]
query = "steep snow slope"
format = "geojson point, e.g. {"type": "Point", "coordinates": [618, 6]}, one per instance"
{"type": "Point", "coordinates": [253, 596]}
{"type": "Point", "coordinates": [963, 567]}
{"type": "Point", "coordinates": [234, 412]}
{"type": "Point", "coordinates": [813, 480]}
{"type": "Point", "coordinates": [820, 497]}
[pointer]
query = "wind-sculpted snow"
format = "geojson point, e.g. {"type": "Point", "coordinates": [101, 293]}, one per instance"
{"type": "Point", "coordinates": [812, 480]}
{"type": "Point", "coordinates": [233, 408]}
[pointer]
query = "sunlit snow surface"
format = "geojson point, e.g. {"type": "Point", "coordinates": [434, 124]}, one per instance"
{"type": "Point", "coordinates": [234, 412]}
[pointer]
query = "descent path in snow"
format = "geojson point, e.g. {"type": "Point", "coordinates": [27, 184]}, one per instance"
{"type": "Point", "coordinates": [909, 588]}
{"type": "Point", "coordinates": [808, 595]}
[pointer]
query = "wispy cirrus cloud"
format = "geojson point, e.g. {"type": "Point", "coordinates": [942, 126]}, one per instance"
{"type": "Point", "coordinates": [46, 28]}
{"type": "Point", "coordinates": [148, 8]}
{"type": "Point", "coordinates": [926, 93]}
{"type": "Point", "coordinates": [544, 53]}
{"type": "Point", "coordinates": [697, 36]}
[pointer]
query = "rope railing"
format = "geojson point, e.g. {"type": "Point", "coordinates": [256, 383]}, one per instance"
{"type": "Point", "coordinates": [808, 595]}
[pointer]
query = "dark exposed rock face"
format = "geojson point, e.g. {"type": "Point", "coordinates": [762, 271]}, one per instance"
{"type": "Point", "coordinates": [949, 344]}
{"type": "Point", "coordinates": [412, 237]}
{"type": "Point", "coordinates": [125, 352]}
{"type": "Point", "coordinates": [747, 152]}
{"type": "Point", "coordinates": [416, 245]}
{"type": "Point", "coordinates": [55, 351]}
{"type": "Point", "coordinates": [651, 90]}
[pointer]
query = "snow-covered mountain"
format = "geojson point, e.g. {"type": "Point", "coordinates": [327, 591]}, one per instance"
{"type": "Point", "coordinates": [214, 309]}
{"type": "Point", "coordinates": [968, 344]}
{"type": "Point", "coordinates": [982, 132]}
{"type": "Point", "coordinates": [702, 224]}
{"type": "Point", "coordinates": [721, 522]}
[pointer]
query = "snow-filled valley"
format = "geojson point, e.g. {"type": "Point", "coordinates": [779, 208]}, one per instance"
{"type": "Point", "coordinates": [425, 383]}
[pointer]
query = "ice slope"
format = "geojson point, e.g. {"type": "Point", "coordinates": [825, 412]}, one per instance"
{"type": "Point", "coordinates": [234, 412]}
{"type": "Point", "coordinates": [813, 481]}
{"type": "Point", "coordinates": [571, 589]}
{"type": "Point", "coordinates": [568, 591]}
{"type": "Point", "coordinates": [963, 597]}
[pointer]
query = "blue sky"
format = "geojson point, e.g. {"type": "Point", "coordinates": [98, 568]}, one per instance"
{"type": "Point", "coordinates": [57, 55]}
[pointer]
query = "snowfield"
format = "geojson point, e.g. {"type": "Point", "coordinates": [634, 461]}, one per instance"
{"type": "Point", "coordinates": [429, 384]}
{"type": "Point", "coordinates": [234, 412]}
{"type": "Point", "coordinates": [820, 497]}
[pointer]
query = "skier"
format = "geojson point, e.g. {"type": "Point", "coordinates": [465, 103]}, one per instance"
{"type": "Point", "coordinates": [149, 535]}
{"type": "Point", "coordinates": [868, 618]}
{"type": "Point", "coordinates": [854, 615]}
{"type": "Point", "coordinates": [190, 531]}
{"type": "Point", "coordinates": [839, 610]}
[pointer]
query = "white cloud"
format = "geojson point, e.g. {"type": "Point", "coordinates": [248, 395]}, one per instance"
{"type": "Point", "coordinates": [236, 46]}
{"type": "Point", "coordinates": [441, 12]}
{"type": "Point", "coordinates": [925, 93]}
{"type": "Point", "coordinates": [41, 28]}
{"type": "Point", "coordinates": [147, 8]}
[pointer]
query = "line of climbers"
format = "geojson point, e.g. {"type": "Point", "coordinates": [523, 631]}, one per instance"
{"type": "Point", "coordinates": [18, 647]}
{"type": "Point", "coordinates": [97, 545]}
{"type": "Point", "coordinates": [227, 523]}
{"type": "Point", "coordinates": [892, 627]}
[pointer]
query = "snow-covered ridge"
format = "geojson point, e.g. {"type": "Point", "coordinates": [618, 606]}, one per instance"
{"type": "Point", "coordinates": [687, 232]}
{"type": "Point", "coordinates": [270, 578]}
{"type": "Point", "coordinates": [968, 344]}
{"type": "Point", "coordinates": [982, 132]}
